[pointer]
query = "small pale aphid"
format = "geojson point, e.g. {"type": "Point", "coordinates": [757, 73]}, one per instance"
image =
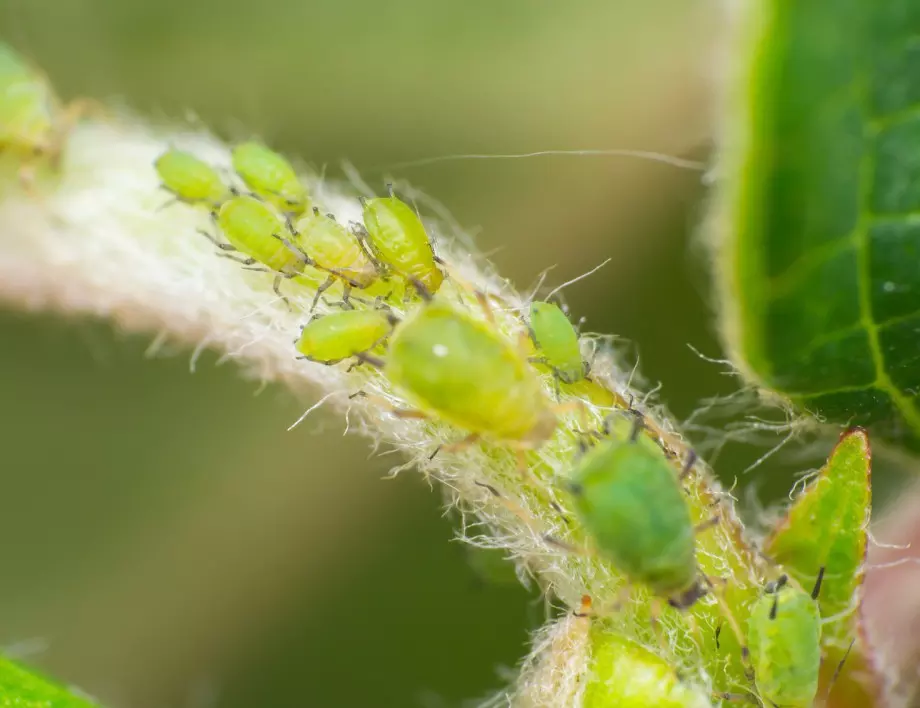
{"type": "Point", "coordinates": [557, 342]}
{"type": "Point", "coordinates": [335, 249]}
{"type": "Point", "coordinates": [630, 501]}
{"type": "Point", "coordinates": [254, 229]}
{"type": "Point", "coordinates": [397, 239]}
{"type": "Point", "coordinates": [191, 180]}
{"type": "Point", "coordinates": [341, 335]}
{"type": "Point", "coordinates": [33, 124]}
{"type": "Point", "coordinates": [270, 176]}
{"type": "Point", "coordinates": [784, 639]}
{"type": "Point", "coordinates": [460, 370]}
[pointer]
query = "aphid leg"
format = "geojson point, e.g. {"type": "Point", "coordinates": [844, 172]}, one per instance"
{"type": "Point", "coordinates": [515, 509]}
{"type": "Point", "coordinates": [346, 293]}
{"type": "Point", "coordinates": [328, 283]}
{"type": "Point", "coordinates": [470, 439]}
{"type": "Point", "coordinates": [222, 246]}
{"type": "Point", "coordinates": [830, 684]}
{"type": "Point", "coordinates": [298, 252]}
{"type": "Point", "coordinates": [276, 286]}
{"type": "Point", "coordinates": [688, 465]}
{"type": "Point", "coordinates": [710, 523]}
{"type": "Point", "coordinates": [484, 305]}
{"type": "Point", "coordinates": [243, 261]}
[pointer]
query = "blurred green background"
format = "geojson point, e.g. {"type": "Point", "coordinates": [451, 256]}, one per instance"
{"type": "Point", "coordinates": [162, 534]}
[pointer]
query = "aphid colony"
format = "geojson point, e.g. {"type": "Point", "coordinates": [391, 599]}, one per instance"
{"type": "Point", "coordinates": [451, 366]}
{"type": "Point", "coordinates": [448, 364]}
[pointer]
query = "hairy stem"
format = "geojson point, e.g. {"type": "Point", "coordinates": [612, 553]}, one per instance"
{"type": "Point", "coordinates": [99, 238]}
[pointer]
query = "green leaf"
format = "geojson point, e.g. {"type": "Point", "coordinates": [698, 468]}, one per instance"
{"type": "Point", "coordinates": [818, 214]}
{"type": "Point", "coordinates": [827, 526]}
{"type": "Point", "coordinates": [20, 688]}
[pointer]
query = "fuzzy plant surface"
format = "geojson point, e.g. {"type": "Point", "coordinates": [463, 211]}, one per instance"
{"type": "Point", "coordinates": [91, 233]}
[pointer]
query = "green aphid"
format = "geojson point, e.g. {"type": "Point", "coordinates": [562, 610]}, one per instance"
{"type": "Point", "coordinates": [270, 176]}
{"type": "Point", "coordinates": [630, 501]}
{"type": "Point", "coordinates": [462, 371]}
{"type": "Point", "coordinates": [254, 229]}
{"type": "Point", "coordinates": [33, 123]}
{"type": "Point", "coordinates": [557, 342]}
{"type": "Point", "coordinates": [336, 250]}
{"type": "Point", "coordinates": [342, 335]}
{"type": "Point", "coordinates": [784, 640]}
{"type": "Point", "coordinates": [397, 239]}
{"type": "Point", "coordinates": [191, 180]}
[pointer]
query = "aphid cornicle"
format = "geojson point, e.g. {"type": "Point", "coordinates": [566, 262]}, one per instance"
{"type": "Point", "coordinates": [630, 501]}
{"type": "Point", "coordinates": [342, 335]}
{"type": "Point", "coordinates": [190, 179]}
{"type": "Point", "coordinates": [462, 371]}
{"type": "Point", "coordinates": [33, 124]}
{"type": "Point", "coordinates": [270, 176]}
{"type": "Point", "coordinates": [397, 238]}
{"type": "Point", "coordinates": [784, 640]}
{"type": "Point", "coordinates": [557, 342]}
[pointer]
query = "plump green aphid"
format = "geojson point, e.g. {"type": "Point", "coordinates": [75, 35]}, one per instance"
{"type": "Point", "coordinates": [254, 229]}
{"type": "Point", "coordinates": [397, 238]}
{"type": "Point", "coordinates": [462, 371]}
{"type": "Point", "coordinates": [270, 176]}
{"type": "Point", "coordinates": [33, 123]}
{"type": "Point", "coordinates": [557, 342]}
{"type": "Point", "coordinates": [191, 180]}
{"type": "Point", "coordinates": [341, 335]}
{"type": "Point", "coordinates": [784, 639]}
{"type": "Point", "coordinates": [335, 249]}
{"type": "Point", "coordinates": [629, 499]}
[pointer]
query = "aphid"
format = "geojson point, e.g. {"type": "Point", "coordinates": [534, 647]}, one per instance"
{"type": "Point", "coordinates": [33, 124]}
{"type": "Point", "coordinates": [630, 501]}
{"type": "Point", "coordinates": [191, 180]}
{"type": "Point", "coordinates": [462, 371]}
{"type": "Point", "coordinates": [255, 230]}
{"type": "Point", "coordinates": [784, 639]}
{"type": "Point", "coordinates": [396, 237]}
{"type": "Point", "coordinates": [341, 335]}
{"type": "Point", "coordinates": [334, 249]}
{"type": "Point", "coordinates": [270, 176]}
{"type": "Point", "coordinates": [557, 342]}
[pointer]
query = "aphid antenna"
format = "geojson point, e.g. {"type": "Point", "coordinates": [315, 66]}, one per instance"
{"type": "Point", "coordinates": [390, 190]}
{"type": "Point", "coordinates": [576, 279]}
{"type": "Point", "coordinates": [837, 672]}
